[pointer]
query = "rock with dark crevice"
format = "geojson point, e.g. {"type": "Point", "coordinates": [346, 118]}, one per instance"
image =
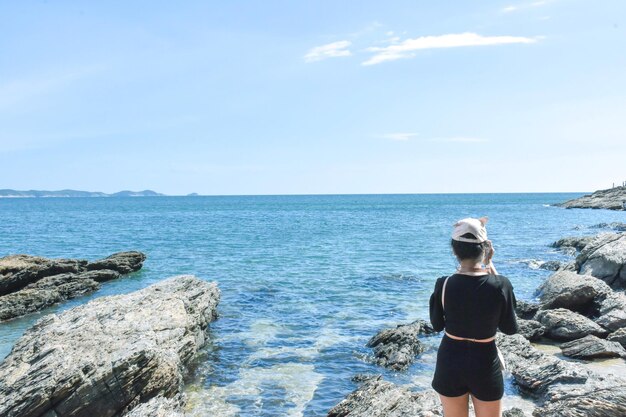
{"type": "Point", "coordinates": [526, 310]}
{"type": "Point", "coordinates": [618, 336]}
{"type": "Point", "coordinates": [565, 289]}
{"type": "Point", "coordinates": [398, 347]}
{"type": "Point", "coordinates": [530, 329]}
{"type": "Point", "coordinates": [108, 356]}
{"type": "Point", "coordinates": [592, 347]}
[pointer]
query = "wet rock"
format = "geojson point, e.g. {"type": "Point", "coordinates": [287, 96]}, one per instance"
{"type": "Point", "coordinates": [592, 347]}
{"type": "Point", "coordinates": [109, 355]}
{"type": "Point", "coordinates": [604, 257]}
{"type": "Point", "coordinates": [360, 378]}
{"type": "Point", "coordinates": [565, 289]}
{"type": "Point", "coordinates": [530, 329]}
{"type": "Point", "coordinates": [617, 226]}
{"type": "Point", "coordinates": [618, 336]}
{"type": "Point", "coordinates": [17, 271]}
{"type": "Point", "coordinates": [32, 283]}
{"type": "Point", "coordinates": [159, 407]}
{"type": "Point", "coordinates": [611, 199]}
{"type": "Point", "coordinates": [526, 310]}
{"type": "Point", "coordinates": [397, 348]}
{"type": "Point", "coordinates": [122, 262]}
{"type": "Point", "coordinates": [379, 398]}
{"type": "Point", "coordinates": [563, 324]}
{"type": "Point", "coordinates": [563, 389]}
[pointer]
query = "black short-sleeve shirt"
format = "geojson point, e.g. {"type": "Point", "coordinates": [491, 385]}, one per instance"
{"type": "Point", "coordinates": [475, 306]}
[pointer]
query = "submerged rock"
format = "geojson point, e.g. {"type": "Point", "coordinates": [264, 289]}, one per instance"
{"type": "Point", "coordinates": [379, 398]}
{"type": "Point", "coordinates": [612, 199]}
{"type": "Point", "coordinates": [397, 348]}
{"type": "Point", "coordinates": [31, 283]}
{"type": "Point", "coordinates": [563, 389]}
{"type": "Point", "coordinates": [563, 324]}
{"type": "Point", "coordinates": [604, 257]}
{"type": "Point", "coordinates": [592, 347]}
{"type": "Point", "coordinates": [109, 355]}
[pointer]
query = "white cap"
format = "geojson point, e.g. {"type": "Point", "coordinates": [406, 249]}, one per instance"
{"type": "Point", "coordinates": [473, 226]}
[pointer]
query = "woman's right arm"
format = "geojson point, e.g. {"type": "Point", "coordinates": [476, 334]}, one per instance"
{"type": "Point", "coordinates": [436, 309]}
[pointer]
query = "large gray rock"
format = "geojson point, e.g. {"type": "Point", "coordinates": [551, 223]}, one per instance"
{"type": "Point", "coordinates": [563, 324]}
{"type": "Point", "coordinates": [109, 355]}
{"type": "Point", "coordinates": [562, 389]}
{"type": "Point", "coordinates": [526, 310]}
{"type": "Point", "coordinates": [604, 257]}
{"type": "Point", "coordinates": [379, 398]}
{"type": "Point", "coordinates": [31, 283]}
{"type": "Point", "coordinates": [565, 289]}
{"type": "Point", "coordinates": [397, 348]}
{"type": "Point", "coordinates": [592, 347]}
{"type": "Point", "coordinates": [578, 243]}
{"type": "Point", "coordinates": [612, 199]}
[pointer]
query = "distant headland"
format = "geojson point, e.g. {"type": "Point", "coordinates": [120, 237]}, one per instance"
{"type": "Point", "coordinates": [6, 193]}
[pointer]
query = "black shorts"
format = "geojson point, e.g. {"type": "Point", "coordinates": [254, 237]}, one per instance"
{"type": "Point", "coordinates": [464, 366]}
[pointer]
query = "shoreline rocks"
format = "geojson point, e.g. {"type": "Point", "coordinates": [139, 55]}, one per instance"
{"type": "Point", "coordinates": [592, 347]}
{"type": "Point", "coordinates": [611, 199]}
{"type": "Point", "coordinates": [108, 356]}
{"type": "Point", "coordinates": [31, 283]}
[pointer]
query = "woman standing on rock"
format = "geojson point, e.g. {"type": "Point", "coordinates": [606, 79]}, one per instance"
{"type": "Point", "coordinates": [477, 302]}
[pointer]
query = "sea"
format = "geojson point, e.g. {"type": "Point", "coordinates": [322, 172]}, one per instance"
{"type": "Point", "coordinates": [306, 280]}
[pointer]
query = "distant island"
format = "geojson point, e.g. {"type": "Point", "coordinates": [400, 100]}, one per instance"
{"type": "Point", "coordinates": [74, 193]}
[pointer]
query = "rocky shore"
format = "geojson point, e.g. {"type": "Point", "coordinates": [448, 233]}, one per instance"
{"type": "Point", "coordinates": [31, 283]}
{"type": "Point", "coordinates": [122, 355]}
{"type": "Point", "coordinates": [580, 307]}
{"type": "Point", "coordinates": [611, 199]}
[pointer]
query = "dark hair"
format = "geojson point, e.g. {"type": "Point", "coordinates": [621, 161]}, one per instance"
{"type": "Point", "coordinates": [468, 250]}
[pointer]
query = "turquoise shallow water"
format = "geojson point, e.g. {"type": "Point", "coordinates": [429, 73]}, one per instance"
{"type": "Point", "coordinates": [305, 280]}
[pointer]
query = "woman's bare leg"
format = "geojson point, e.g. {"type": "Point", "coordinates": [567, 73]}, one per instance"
{"type": "Point", "coordinates": [455, 406]}
{"type": "Point", "coordinates": [487, 408]}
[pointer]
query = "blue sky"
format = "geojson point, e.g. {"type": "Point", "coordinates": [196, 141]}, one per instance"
{"type": "Point", "coordinates": [283, 97]}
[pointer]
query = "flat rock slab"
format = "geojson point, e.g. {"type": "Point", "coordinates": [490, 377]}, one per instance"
{"type": "Point", "coordinates": [379, 398]}
{"type": "Point", "coordinates": [109, 355]}
{"type": "Point", "coordinates": [31, 283]}
{"type": "Point", "coordinates": [611, 199]}
{"type": "Point", "coordinates": [592, 347]}
{"type": "Point", "coordinates": [398, 347]}
{"type": "Point", "coordinates": [563, 389]}
{"type": "Point", "coordinates": [563, 324]}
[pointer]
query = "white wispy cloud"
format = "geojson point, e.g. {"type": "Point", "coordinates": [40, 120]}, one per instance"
{"type": "Point", "coordinates": [330, 50]}
{"type": "Point", "coordinates": [398, 136]}
{"type": "Point", "coordinates": [521, 6]}
{"type": "Point", "coordinates": [407, 48]}
{"type": "Point", "coordinates": [460, 139]}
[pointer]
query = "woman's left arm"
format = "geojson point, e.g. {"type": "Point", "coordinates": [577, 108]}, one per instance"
{"type": "Point", "coordinates": [437, 318]}
{"type": "Point", "coordinates": [508, 317]}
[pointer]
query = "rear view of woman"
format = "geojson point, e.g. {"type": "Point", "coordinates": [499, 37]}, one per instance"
{"type": "Point", "coordinates": [471, 305]}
